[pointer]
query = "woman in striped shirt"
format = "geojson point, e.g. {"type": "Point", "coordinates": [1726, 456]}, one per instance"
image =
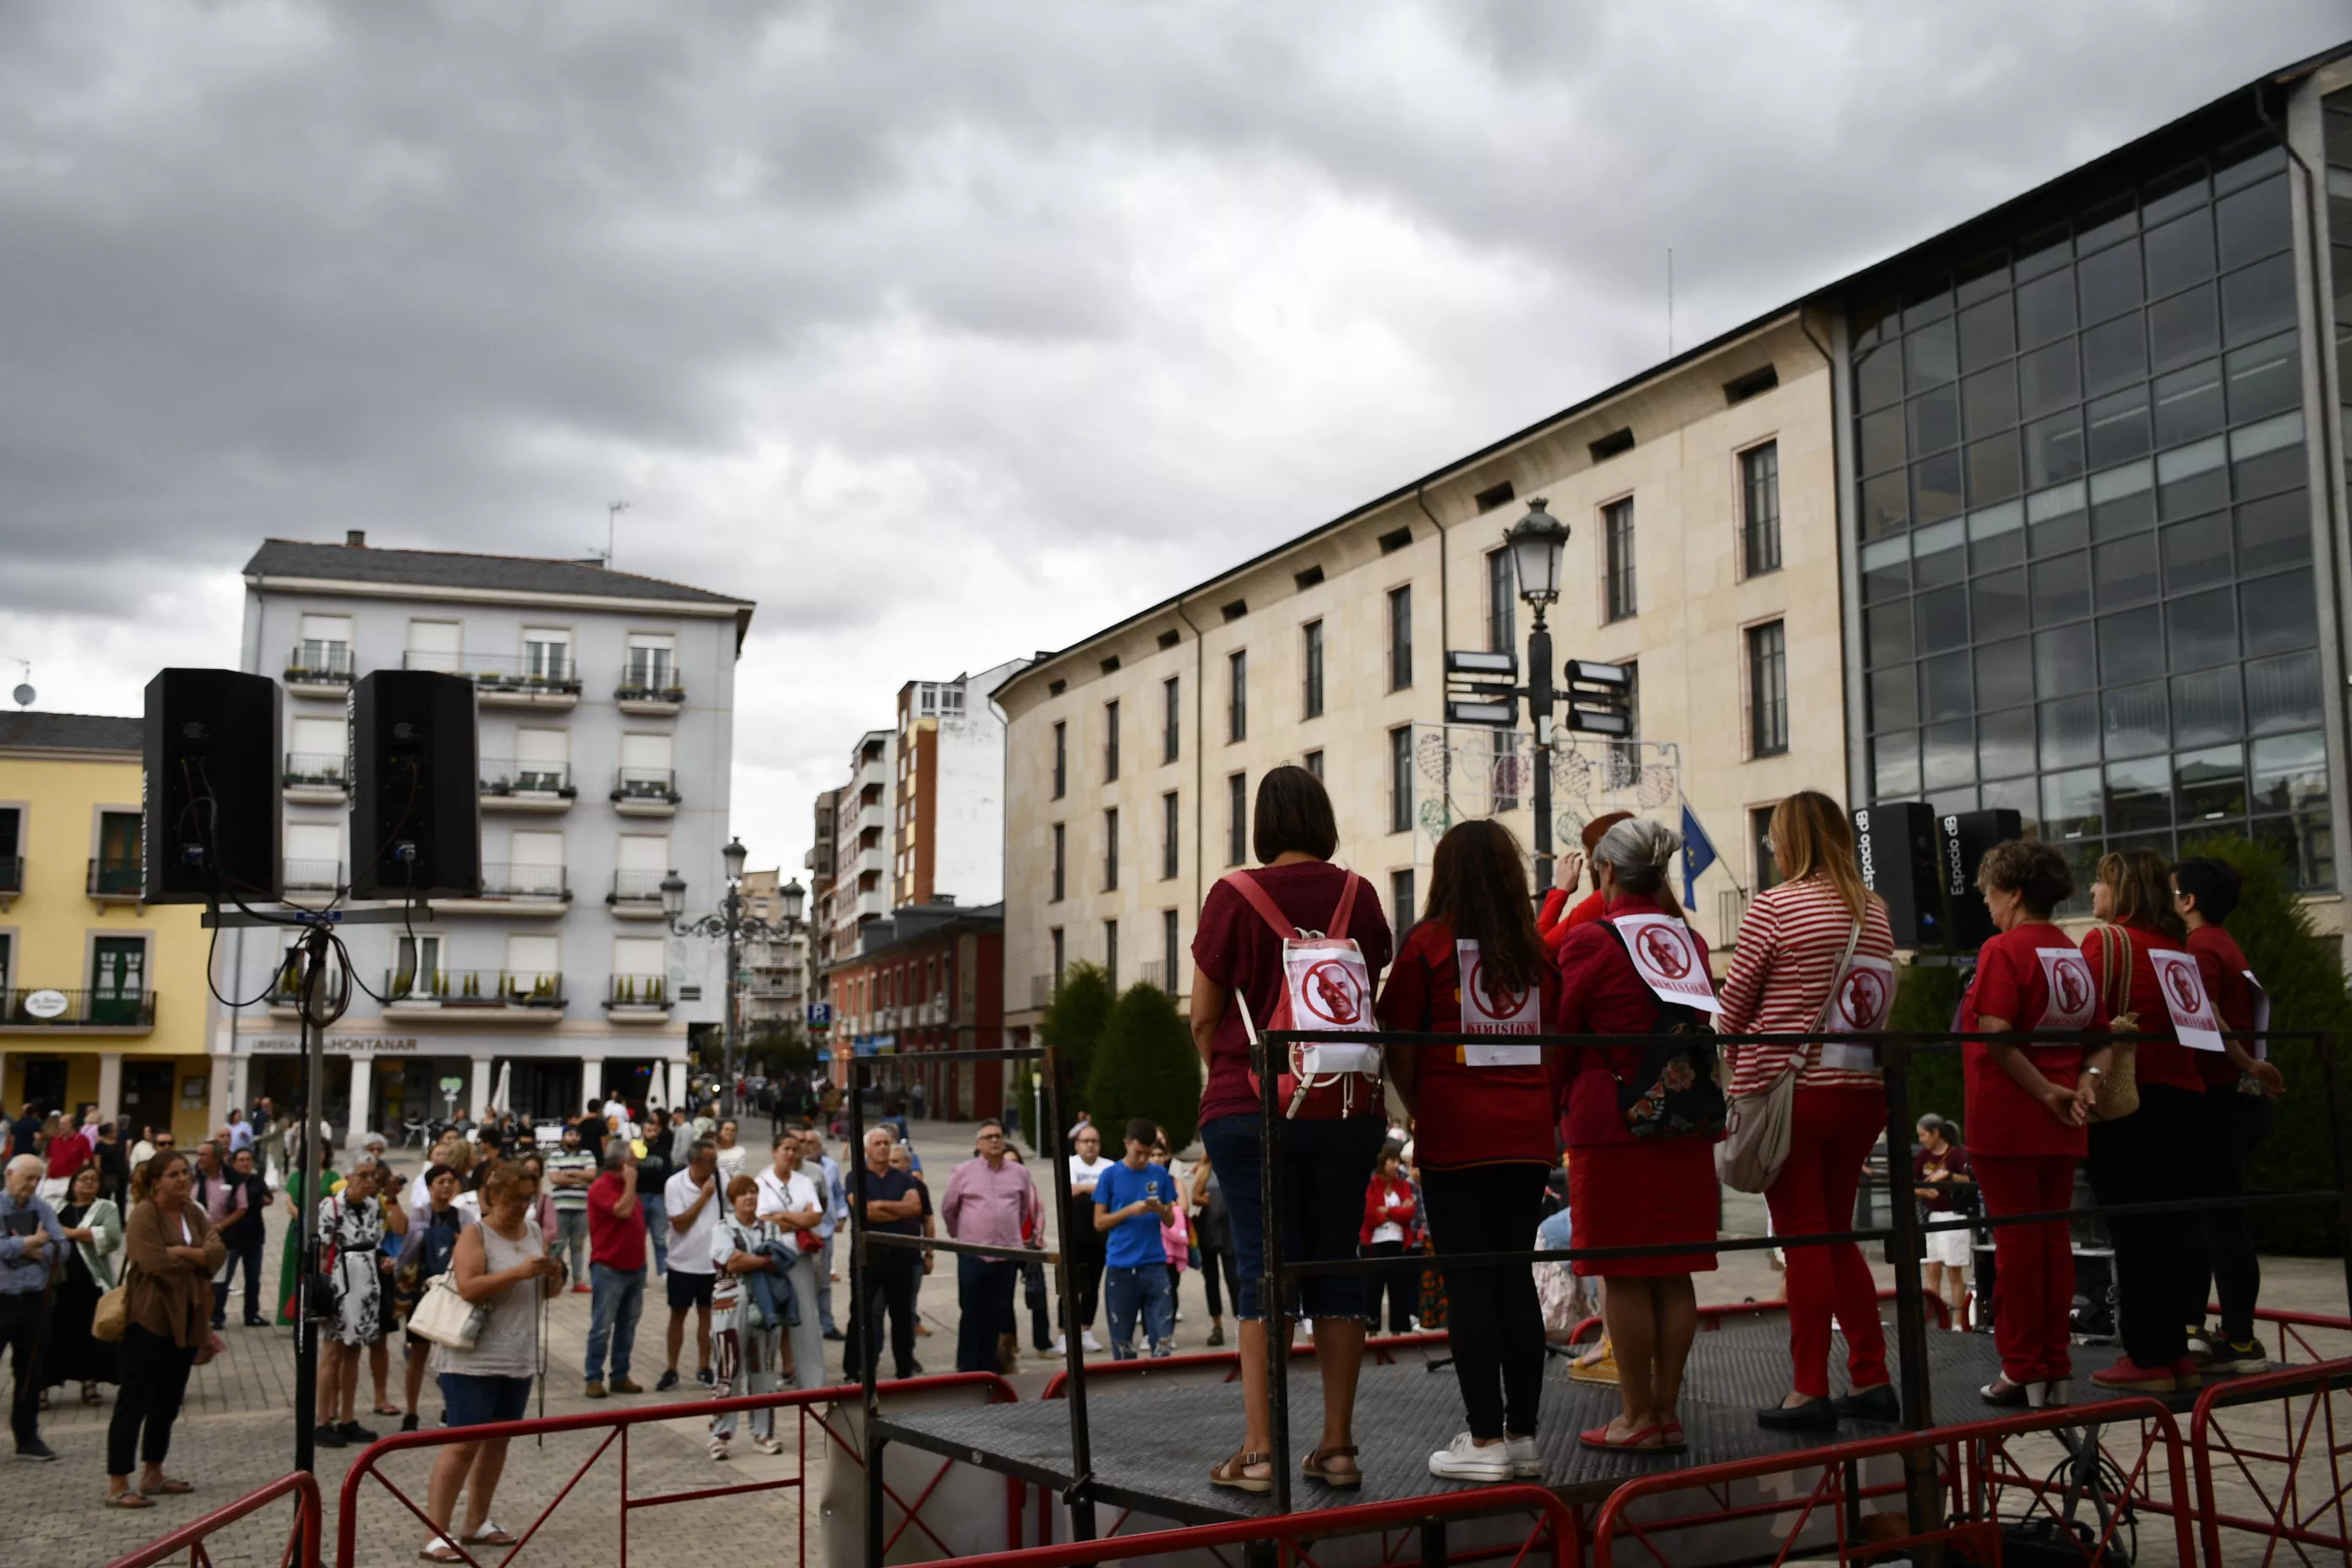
{"type": "Point", "coordinates": [1790, 975]}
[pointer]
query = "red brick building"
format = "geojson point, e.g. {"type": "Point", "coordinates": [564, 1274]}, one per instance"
{"type": "Point", "coordinates": [929, 978]}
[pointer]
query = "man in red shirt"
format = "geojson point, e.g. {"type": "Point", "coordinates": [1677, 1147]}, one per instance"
{"type": "Point", "coordinates": [616, 1269]}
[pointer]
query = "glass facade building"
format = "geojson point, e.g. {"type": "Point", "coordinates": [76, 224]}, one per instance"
{"type": "Point", "coordinates": [2081, 519]}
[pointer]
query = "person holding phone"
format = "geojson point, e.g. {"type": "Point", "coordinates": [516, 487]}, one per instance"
{"type": "Point", "coordinates": [1132, 1198]}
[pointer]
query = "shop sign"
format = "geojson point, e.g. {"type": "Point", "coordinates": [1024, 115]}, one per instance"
{"type": "Point", "coordinates": [342, 1044]}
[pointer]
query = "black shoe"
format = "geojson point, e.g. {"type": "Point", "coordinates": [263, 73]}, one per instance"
{"type": "Point", "coordinates": [257, 1322]}
{"type": "Point", "coordinates": [408, 1423]}
{"type": "Point", "coordinates": [1813, 1415]}
{"type": "Point", "coordinates": [329, 1437]}
{"type": "Point", "coordinates": [35, 1451]}
{"type": "Point", "coordinates": [832, 1333]}
{"type": "Point", "coordinates": [220, 1322]}
{"type": "Point", "coordinates": [353, 1432]}
{"type": "Point", "coordinates": [702, 1374]}
{"type": "Point", "coordinates": [1880, 1404]}
{"type": "Point", "coordinates": [669, 1381]}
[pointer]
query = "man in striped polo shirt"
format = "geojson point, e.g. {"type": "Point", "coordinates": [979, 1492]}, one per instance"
{"type": "Point", "coordinates": [570, 1170]}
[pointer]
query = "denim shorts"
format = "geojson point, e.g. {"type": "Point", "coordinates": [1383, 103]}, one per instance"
{"type": "Point", "coordinates": [476, 1401]}
{"type": "Point", "coordinates": [1326, 1166]}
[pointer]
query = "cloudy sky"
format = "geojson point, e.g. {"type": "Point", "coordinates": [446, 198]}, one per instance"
{"type": "Point", "coordinates": [947, 331]}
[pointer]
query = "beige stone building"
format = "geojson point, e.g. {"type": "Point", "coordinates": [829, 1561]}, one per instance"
{"type": "Point", "coordinates": [1703, 551]}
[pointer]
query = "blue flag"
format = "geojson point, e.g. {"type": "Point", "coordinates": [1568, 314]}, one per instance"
{"type": "Point", "coordinates": [1698, 854]}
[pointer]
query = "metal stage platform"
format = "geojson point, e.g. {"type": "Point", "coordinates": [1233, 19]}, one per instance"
{"type": "Point", "coordinates": [1154, 1442]}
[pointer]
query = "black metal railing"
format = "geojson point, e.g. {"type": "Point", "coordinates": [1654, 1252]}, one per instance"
{"type": "Point", "coordinates": [506, 776]}
{"type": "Point", "coordinates": [637, 991]}
{"type": "Point", "coordinates": [647, 784]}
{"type": "Point", "coordinates": [36, 1006]}
{"type": "Point", "coordinates": [476, 987]}
{"type": "Point", "coordinates": [312, 876]}
{"type": "Point", "coordinates": [504, 672]}
{"type": "Point", "coordinates": [12, 873]}
{"type": "Point", "coordinates": [317, 768]}
{"type": "Point", "coordinates": [111, 878]}
{"type": "Point", "coordinates": [506, 881]}
{"type": "Point", "coordinates": [648, 683]}
{"type": "Point", "coordinates": [636, 888]}
{"type": "Point", "coordinates": [320, 664]}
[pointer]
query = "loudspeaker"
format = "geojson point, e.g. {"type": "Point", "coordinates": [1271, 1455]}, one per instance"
{"type": "Point", "coordinates": [1961, 839]}
{"type": "Point", "coordinates": [1895, 842]}
{"type": "Point", "coordinates": [417, 804]}
{"type": "Point", "coordinates": [210, 813]}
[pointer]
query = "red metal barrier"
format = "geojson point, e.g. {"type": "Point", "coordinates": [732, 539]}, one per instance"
{"type": "Point", "coordinates": [617, 1424]}
{"type": "Point", "coordinates": [1287, 1530]}
{"type": "Point", "coordinates": [2315, 1437]}
{"type": "Point", "coordinates": [2291, 1327]}
{"type": "Point", "coordinates": [1981, 1533]}
{"type": "Point", "coordinates": [303, 1537]}
{"type": "Point", "coordinates": [1383, 1352]}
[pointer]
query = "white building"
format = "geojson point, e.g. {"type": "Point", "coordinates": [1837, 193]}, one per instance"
{"type": "Point", "coordinates": [949, 821]}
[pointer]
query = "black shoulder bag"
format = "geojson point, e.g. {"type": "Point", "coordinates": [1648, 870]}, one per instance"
{"type": "Point", "coordinates": [1673, 1092]}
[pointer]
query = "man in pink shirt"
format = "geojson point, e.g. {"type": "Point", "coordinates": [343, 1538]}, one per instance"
{"type": "Point", "coordinates": [990, 1200]}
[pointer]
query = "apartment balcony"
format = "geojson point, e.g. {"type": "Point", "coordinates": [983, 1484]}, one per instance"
{"type": "Point", "coordinates": [316, 778]}
{"type": "Point", "coordinates": [12, 879]}
{"type": "Point", "coordinates": [320, 670]}
{"type": "Point", "coordinates": [872, 818]}
{"type": "Point", "coordinates": [649, 690]}
{"type": "Point", "coordinates": [533, 892]}
{"type": "Point", "coordinates": [637, 895]}
{"type": "Point", "coordinates": [645, 792]}
{"type": "Point", "coordinates": [1042, 989]}
{"type": "Point", "coordinates": [471, 997]}
{"type": "Point", "coordinates": [871, 904]}
{"type": "Point", "coordinates": [1155, 972]}
{"type": "Point", "coordinates": [549, 683]}
{"type": "Point", "coordinates": [310, 884]}
{"type": "Point", "coordinates": [637, 999]}
{"type": "Point", "coordinates": [37, 1010]}
{"type": "Point", "coordinates": [113, 880]}
{"type": "Point", "coordinates": [511, 785]}
{"type": "Point", "coordinates": [869, 860]}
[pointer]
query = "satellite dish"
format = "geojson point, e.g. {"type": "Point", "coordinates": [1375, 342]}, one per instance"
{"type": "Point", "coordinates": [24, 694]}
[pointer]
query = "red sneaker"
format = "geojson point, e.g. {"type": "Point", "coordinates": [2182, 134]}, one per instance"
{"type": "Point", "coordinates": [2185, 1373]}
{"type": "Point", "coordinates": [2130, 1376]}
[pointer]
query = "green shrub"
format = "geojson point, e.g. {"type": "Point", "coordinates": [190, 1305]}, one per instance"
{"type": "Point", "coordinates": [1147, 1066]}
{"type": "Point", "coordinates": [1925, 997]}
{"type": "Point", "coordinates": [1074, 1026]}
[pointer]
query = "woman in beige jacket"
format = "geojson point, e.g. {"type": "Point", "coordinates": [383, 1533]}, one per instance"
{"type": "Point", "coordinates": [171, 1254]}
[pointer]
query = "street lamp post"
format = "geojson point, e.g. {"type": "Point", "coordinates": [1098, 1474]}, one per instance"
{"type": "Point", "coordinates": [732, 923]}
{"type": "Point", "coordinates": [1536, 543]}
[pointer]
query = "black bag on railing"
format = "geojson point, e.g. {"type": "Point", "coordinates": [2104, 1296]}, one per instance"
{"type": "Point", "coordinates": [1675, 1092]}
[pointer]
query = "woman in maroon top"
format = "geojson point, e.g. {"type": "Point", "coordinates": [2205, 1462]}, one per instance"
{"type": "Point", "coordinates": [2028, 1106]}
{"type": "Point", "coordinates": [2146, 1157]}
{"type": "Point", "coordinates": [1624, 1191]}
{"type": "Point", "coordinates": [1237, 958]}
{"type": "Point", "coordinates": [2239, 1089]}
{"type": "Point", "coordinates": [1481, 1130]}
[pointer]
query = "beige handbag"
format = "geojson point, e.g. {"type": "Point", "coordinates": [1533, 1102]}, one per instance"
{"type": "Point", "coordinates": [2119, 1084]}
{"type": "Point", "coordinates": [445, 1318]}
{"type": "Point", "coordinates": [1756, 1126]}
{"type": "Point", "coordinates": [113, 1311]}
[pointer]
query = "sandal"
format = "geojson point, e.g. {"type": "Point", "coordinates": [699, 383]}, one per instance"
{"type": "Point", "coordinates": [171, 1487]}
{"type": "Point", "coordinates": [1312, 1468]}
{"type": "Point", "coordinates": [390, 1410]}
{"type": "Point", "coordinates": [90, 1394]}
{"type": "Point", "coordinates": [438, 1550]}
{"type": "Point", "coordinates": [1234, 1473]}
{"type": "Point", "coordinates": [129, 1499]}
{"type": "Point", "coordinates": [1648, 1440]}
{"type": "Point", "coordinates": [489, 1535]}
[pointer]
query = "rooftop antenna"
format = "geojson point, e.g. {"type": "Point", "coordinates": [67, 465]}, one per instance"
{"type": "Point", "coordinates": [1670, 302]}
{"type": "Point", "coordinates": [24, 694]}
{"type": "Point", "coordinates": [613, 510]}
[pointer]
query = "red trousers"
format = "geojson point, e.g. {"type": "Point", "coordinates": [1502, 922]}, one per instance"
{"type": "Point", "coordinates": [1830, 1135]}
{"type": "Point", "coordinates": [2033, 1282]}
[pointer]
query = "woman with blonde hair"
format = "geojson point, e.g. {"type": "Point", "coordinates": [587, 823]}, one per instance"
{"type": "Point", "coordinates": [1815, 955]}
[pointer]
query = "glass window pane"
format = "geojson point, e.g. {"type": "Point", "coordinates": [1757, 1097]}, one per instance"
{"type": "Point", "coordinates": [1944, 691]}
{"type": "Point", "coordinates": [2266, 378]}
{"type": "Point", "coordinates": [2124, 572]}
{"type": "Point", "coordinates": [2201, 629]}
{"type": "Point", "coordinates": [2108, 283]}
{"type": "Point", "coordinates": [2254, 222]}
{"type": "Point", "coordinates": [1932, 303]}
{"type": "Point", "coordinates": [1885, 504]}
{"type": "Point", "coordinates": [2133, 720]}
{"type": "Point", "coordinates": [2056, 529]}
{"type": "Point", "coordinates": [2282, 693]}
{"type": "Point", "coordinates": [2004, 673]}
{"type": "Point", "coordinates": [2070, 732]}
{"type": "Point", "coordinates": [2022, 795]}
{"type": "Point", "coordinates": [1995, 468]}
{"type": "Point", "coordinates": [1931, 356]}
{"type": "Point", "coordinates": [2063, 661]}
{"type": "Point", "coordinates": [2131, 646]}
{"type": "Point", "coordinates": [2205, 707]}
{"type": "Point", "coordinates": [2062, 589]}
{"type": "Point", "coordinates": [1936, 487]}
{"type": "Point", "coordinates": [2054, 450]}
{"type": "Point", "coordinates": [2183, 328]}
{"type": "Point", "coordinates": [1943, 618]}
{"type": "Point", "coordinates": [2211, 785]}
{"type": "Point", "coordinates": [1990, 399]}
{"type": "Point", "coordinates": [2005, 743]}
{"type": "Point", "coordinates": [2040, 253]}
{"type": "Point", "coordinates": [2258, 300]}
{"type": "Point", "coordinates": [2140, 795]}
{"type": "Point", "coordinates": [2049, 379]}
{"type": "Point", "coordinates": [2113, 354]}
{"type": "Point", "coordinates": [1880, 582]}
{"type": "Point", "coordinates": [2189, 404]}
{"type": "Point", "coordinates": [1936, 420]}
{"type": "Point", "coordinates": [1878, 376]}
{"type": "Point", "coordinates": [2045, 309]}
{"type": "Point", "coordinates": [1999, 550]}
{"type": "Point", "coordinates": [2280, 614]}
{"type": "Point", "coordinates": [1939, 553]}
{"type": "Point", "coordinates": [2197, 553]}
{"type": "Point", "coordinates": [1889, 628]}
{"type": "Point", "coordinates": [2180, 253]}
{"type": "Point", "coordinates": [2106, 223]}
{"type": "Point", "coordinates": [1893, 699]}
{"type": "Point", "coordinates": [2118, 427]}
{"type": "Point", "coordinates": [1881, 435]}
{"type": "Point", "coordinates": [1987, 334]}
{"type": "Point", "coordinates": [2000, 602]}
{"type": "Point", "coordinates": [2305, 845]}
{"type": "Point", "coordinates": [2239, 172]}
{"type": "Point", "coordinates": [2122, 501]}
{"type": "Point", "coordinates": [2274, 532]}
{"type": "Point", "coordinates": [1948, 754]}
{"type": "Point", "coordinates": [2174, 193]}
{"type": "Point", "coordinates": [2193, 479]}
{"type": "Point", "coordinates": [2071, 805]}
{"type": "Point", "coordinates": [2260, 465]}
{"type": "Point", "coordinates": [2290, 772]}
{"type": "Point", "coordinates": [1895, 766]}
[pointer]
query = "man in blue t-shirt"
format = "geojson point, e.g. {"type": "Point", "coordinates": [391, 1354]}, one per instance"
{"type": "Point", "coordinates": [1131, 1198]}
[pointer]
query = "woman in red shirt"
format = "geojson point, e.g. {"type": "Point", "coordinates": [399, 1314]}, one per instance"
{"type": "Point", "coordinates": [2027, 1109]}
{"type": "Point", "coordinates": [1388, 1226]}
{"type": "Point", "coordinates": [1815, 954]}
{"type": "Point", "coordinates": [2151, 1155]}
{"type": "Point", "coordinates": [1555, 920]}
{"type": "Point", "coordinates": [1237, 959]}
{"type": "Point", "coordinates": [1481, 1130]}
{"type": "Point", "coordinates": [1625, 1191]}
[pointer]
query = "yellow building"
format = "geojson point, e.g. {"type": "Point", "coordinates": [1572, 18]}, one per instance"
{"type": "Point", "coordinates": [102, 998]}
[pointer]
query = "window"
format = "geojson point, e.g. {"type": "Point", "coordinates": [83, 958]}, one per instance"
{"type": "Point", "coordinates": [1759, 486]}
{"type": "Point", "coordinates": [1768, 690]}
{"type": "Point", "coordinates": [1617, 570]}
{"type": "Point", "coordinates": [1237, 819]}
{"type": "Point", "coordinates": [547, 654]}
{"type": "Point", "coordinates": [1502, 603]}
{"type": "Point", "coordinates": [1759, 841]}
{"type": "Point", "coordinates": [640, 967]}
{"type": "Point", "coordinates": [1061, 859]}
{"type": "Point", "coordinates": [1110, 849]}
{"type": "Point", "coordinates": [648, 767]}
{"type": "Point", "coordinates": [1171, 948]}
{"type": "Point", "coordinates": [1314, 761]}
{"type": "Point", "coordinates": [314, 857]}
{"type": "Point", "coordinates": [118, 980]}
{"type": "Point", "coordinates": [1061, 758]}
{"type": "Point", "coordinates": [534, 967]}
{"type": "Point", "coordinates": [1400, 901]}
{"type": "Point", "coordinates": [1611, 445]}
{"type": "Point", "coordinates": [416, 962]}
{"type": "Point", "coordinates": [12, 851]}
{"type": "Point", "coordinates": [1396, 540]}
{"type": "Point", "coordinates": [434, 645]}
{"type": "Point", "coordinates": [1311, 659]}
{"type": "Point", "coordinates": [1399, 639]}
{"type": "Point", "coordinates": [543, 760]}
{"type": "Point", "coordinates": [1170, 834]}
{"type": "Point", "coordinates": [118, 869]}
{"type": "Point", "coordinates": [1237, 696]}
{"type": "Point", "coordinates": [325, 648]}
{"type": "Point", "coordinates": [653, 662]}
{"type": "Point", "coordinates": [1400, 779]}
{"type": "Point", "coordinates": [1172, 714]}
{"type": "Point", "coordinates": [1110, 742]}
{"type": "Point", "coordinates": [1110, 954]}
{"type": "Point", "coordinates": [1060, 953]}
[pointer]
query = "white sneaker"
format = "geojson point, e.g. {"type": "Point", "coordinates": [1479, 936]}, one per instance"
{"type": "Point", "coordinates": [1463, 1460]}
{"type": "Point", "coordinates": [1059, 1348]}
{"type": "Point", "coordinates": [718, 1448]}
{"type": "Point", "coordinates": [776, 1446]}
{"type": "Point", "coordinates": [1086, 1338]}
{"type": "Point", "coordinates": [1522, 1452]}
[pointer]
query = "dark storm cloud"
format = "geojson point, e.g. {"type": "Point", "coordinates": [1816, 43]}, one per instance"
{"type": "Point", "coordinates": [947, 331]}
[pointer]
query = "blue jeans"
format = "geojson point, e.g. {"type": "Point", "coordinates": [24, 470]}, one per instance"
{"type": "Point", "coordinates": [619, 1296]}
{"type": "Point", "coordinates": [983, 1308]}
{"type": "Point", "coordinates": [825, 1289]}
{"type": "Point", "coordinates": [1124, 1290]}
{"type": "Point", "coordinates": [1325, 1166]}
{"type": "Point", "coordinates": [657, 1232]}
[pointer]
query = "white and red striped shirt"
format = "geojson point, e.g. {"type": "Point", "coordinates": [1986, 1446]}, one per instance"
{"type": "Point", "coordinates": [1781, 970]}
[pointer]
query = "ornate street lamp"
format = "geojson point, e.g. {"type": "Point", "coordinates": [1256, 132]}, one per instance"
{"type": "Point", "coordinates": [1537, 543]}
{"type": "Point", "coordinates": [730, 922]}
